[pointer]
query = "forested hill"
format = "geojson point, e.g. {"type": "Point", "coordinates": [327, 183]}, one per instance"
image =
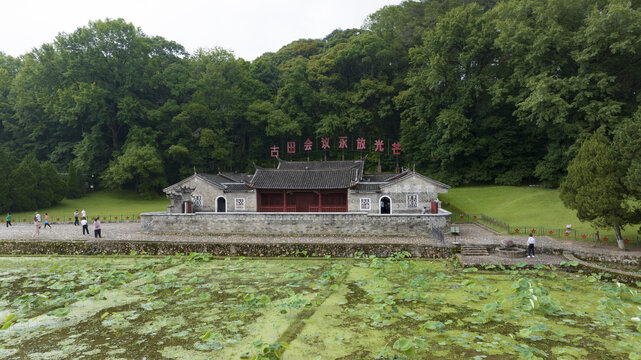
{"type": "Point", "coordinates": [476, 92]}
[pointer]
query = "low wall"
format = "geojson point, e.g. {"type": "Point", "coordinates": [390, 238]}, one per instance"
{"type": "Point", "coordinates": [294, 223]}
{"type": "Point", "coordinates": [256, 249]}
{"type": "Point", "coordinates": [624, 276]}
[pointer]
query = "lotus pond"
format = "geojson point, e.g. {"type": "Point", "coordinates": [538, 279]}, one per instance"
{"type": "Point", "coordinates": [197, 307]}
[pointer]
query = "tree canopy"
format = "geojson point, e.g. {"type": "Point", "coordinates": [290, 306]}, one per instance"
{"type": "Point", "coordinates": [594, 187]}
{"type": "Point", "coordinates": [476, 92]}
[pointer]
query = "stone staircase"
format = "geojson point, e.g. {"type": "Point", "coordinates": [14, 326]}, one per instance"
{"type": "Point", "coordinates": [474, 250]}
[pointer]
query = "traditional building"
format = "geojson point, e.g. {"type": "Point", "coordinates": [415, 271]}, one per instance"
{"type": "Point", "coordinates": [316, 186]}
{"type": "Point", "coordinates": [212, 193]}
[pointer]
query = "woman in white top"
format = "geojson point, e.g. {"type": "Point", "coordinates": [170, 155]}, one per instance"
{"type": "Point", "coordinates": [96, 227]}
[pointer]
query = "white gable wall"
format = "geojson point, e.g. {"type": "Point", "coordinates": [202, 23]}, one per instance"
{"type": "Point", "coordinates": [211, 192]}
{"type": "Point", "coordinates": [412, 184]}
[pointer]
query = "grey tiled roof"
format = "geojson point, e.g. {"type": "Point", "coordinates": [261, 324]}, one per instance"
{"type": "Point", "coordinates": [366, 187]}
{"type": "Point", "coordinates": [216, 179]}
{"type": "Point", "coordinates": [377, 177]}
{"type": "Point", "coordinates": [235, 177]}
{"type": "Point", "coordinates": [302, 175]}
{"type": "Point", "coordinates": [400, 176]}
{"type": "Point", "coordinates": [305, 179]}
{"type": "Point", "coordinates": [323, 165]}
{"type": "Point", "coordinates": [319, 165]}
{"type": "Point", "coordinates": [236, 187]}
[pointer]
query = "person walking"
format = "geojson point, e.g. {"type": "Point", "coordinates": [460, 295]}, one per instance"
{"type": "Point", "coordinates": [38, 218]}
{"type": "Point", "coordinates": [9, 218]}
{"type": "Point", "coordinates": [36, 222]}
{"type": "Point", "coordinates": [96, 227]}
{"type": "Point", "coordinates": [47, 221]}
{"type": "Point", "coordinates": [75, 215]}
{"type": "Point", "coordinates": [84, 213]}
{"type": "Point", "coordinates": [530, 245]}
{"type": "Point", "coordinates": [85, 226]}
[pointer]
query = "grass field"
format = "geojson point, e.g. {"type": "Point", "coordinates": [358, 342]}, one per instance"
{"type": "Point", "coordinates": [522, 206]}
{"type": "Point", "coordinates": [100, 203]}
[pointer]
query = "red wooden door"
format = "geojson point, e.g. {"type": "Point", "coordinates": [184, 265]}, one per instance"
{"type": "Point", "coordinates": [304, 200]}
{"type": "Point", "coordinates": [335, 201]}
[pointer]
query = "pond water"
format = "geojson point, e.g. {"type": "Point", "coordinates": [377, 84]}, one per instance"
{"type": "Point", "coordinates": [196, 307]}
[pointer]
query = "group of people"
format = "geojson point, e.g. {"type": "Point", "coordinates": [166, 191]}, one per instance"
{"type": "Point", "coordinates": [97, 227]}
{"type": "Point", "coordinates": [37, 221]}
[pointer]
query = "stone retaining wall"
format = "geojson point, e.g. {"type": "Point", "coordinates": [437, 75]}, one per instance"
{"type": "Point", "coordinates": [605, 258]}
{"type": "Point", "coordinates": [219, 249]}
{"type": "Point", "coordinates": [620, 275]}
{"type": "Point", "coordinates": [294, 223]}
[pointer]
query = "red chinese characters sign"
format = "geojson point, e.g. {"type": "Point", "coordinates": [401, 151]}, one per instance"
{"type": "Point", "coordinates": [291, 147]}
{"type": "Point", "coordinates": [274, 151]}
{"type": "Point", "coordinates": [396, 148]}
{"type": "Point", "coordinates": [378, 143]}
{"type": "Point", "coordinates": [325, 143]}
{"type": "Point", "coordinates": [342, 142]}
{"type": "Point", "coordinates": [361, 144]}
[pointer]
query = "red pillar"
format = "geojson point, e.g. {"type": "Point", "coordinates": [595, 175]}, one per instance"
{"type": "Point", "coordinates": [284, 201]}
{"type": "Point", "coordinates": [320, 201]}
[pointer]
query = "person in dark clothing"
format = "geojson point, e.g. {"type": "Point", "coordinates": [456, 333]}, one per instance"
{"type": "Point", "coordinates": [530, 246]}
{"type": "Point", "coordinates": [97, 227]}
{"type": "Point", "coordinates": [85, 226]}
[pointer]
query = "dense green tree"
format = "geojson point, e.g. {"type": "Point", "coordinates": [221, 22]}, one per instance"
{"type": "Point", "coordinates": [477, 91]}
{"type": "Point", "coordinates": [594, 188]}
{"type": "Point", "coordinates": [25, 182]}
{"type": "Point", "coordinates": [140, 167]}
{"type": "Point", "coordinates": [451, 124]}
{"type": "Point", "coordinates": [627, 145]}
{"type": "Point", "coordinates": [8, 68]}
{"type": "Point", "coordinates": [90, 85]}
{"type": "Point", "coordinates": [35, 185]}
{"type": "Point", "coordinates": [7, 165]}
{"type": "Point", "coordinates": [74, 183]}
{"type": "Point", "coordinates": [51, 188]}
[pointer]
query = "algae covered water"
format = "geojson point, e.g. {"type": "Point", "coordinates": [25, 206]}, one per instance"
{"type": "Point", "coordinates": [196, 307]}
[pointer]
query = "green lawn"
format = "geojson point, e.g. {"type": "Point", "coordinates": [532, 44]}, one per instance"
{"type": "Point", "coordinates": [522, 206]}
{"type": "Point", "coordinates": [109, 204]}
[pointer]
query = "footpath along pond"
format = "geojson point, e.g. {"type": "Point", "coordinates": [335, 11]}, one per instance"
{"type": "Point", "coordinates": [196, 307]}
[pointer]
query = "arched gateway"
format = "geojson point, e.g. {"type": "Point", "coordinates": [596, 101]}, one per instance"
{"type": "Point", "coordinates": [221, 204]}
{"type": "Point", "coordinates": [385, 205]}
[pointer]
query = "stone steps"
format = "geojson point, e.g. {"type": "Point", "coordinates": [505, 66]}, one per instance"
{"type": "Point", "coordinates": [474, 250]}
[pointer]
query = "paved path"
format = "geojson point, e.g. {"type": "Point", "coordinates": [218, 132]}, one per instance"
{"type": "Point", "coordinates": [131, 232]}
{"type": "Point", "coordinates": [477, 235]}
{"type": "Point", "coordinates": [494, 259]}
{"type": "Point", "coordinates": [470, 234]}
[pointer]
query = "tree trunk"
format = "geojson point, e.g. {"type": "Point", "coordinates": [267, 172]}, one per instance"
{"type": "Point", "coordinates": [114, 136]}
{"type": "Point", "coordinates": [617, 234]}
